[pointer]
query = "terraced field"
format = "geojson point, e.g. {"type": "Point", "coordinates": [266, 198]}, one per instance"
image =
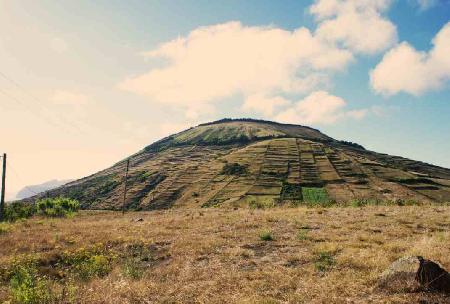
{"type": "Point", "coordinates": [280, 164]}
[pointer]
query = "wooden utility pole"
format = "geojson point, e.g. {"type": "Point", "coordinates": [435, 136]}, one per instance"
{"type": "Point", "coordinates": [2, 199]}
{"type": "Point", "coordinates": [125, 187]}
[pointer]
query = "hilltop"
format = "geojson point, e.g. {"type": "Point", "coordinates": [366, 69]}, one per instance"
{"type": "Point", "coordinates": [240, 162]}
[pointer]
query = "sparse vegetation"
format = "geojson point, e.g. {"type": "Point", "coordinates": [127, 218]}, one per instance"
{"type": "Point", "coordinates": [104, 257]}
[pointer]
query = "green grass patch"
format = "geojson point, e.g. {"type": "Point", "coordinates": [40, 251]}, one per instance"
{"type": "Point", "coordinates": [316, 196]}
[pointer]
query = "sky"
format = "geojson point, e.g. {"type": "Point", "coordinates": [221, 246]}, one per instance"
{"type": "Point", "coordinates": [84, 84]}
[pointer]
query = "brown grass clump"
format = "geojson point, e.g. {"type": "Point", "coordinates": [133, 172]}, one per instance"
{"type": "Point", "coordinates": [331, 255]}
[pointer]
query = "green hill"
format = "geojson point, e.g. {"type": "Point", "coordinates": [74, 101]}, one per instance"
{"type": "Point", "coordinates": [243, 162]}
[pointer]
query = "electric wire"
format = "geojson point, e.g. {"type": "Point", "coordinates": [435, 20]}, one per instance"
{"type": "Point", "coordinates": [60, 122]}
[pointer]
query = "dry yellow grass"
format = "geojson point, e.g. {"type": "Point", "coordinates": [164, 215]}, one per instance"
{"type": "Point", "coordinates": [217, 255]}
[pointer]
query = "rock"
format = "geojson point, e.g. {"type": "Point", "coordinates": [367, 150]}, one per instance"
{"type": "Point", "coordinates": [432, 277]}
{"type": "Point", "coordinates": [413, 273]}
{"type": "Point", "coordinates": [400, 276]}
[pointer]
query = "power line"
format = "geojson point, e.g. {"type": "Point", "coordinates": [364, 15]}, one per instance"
{"type": "Point", "coordinates": [37, 100]}
{"type": "Point", "coordinates": [29, 109]}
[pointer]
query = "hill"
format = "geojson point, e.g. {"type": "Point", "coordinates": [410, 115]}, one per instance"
{"type": "Point", "coordinates": [239, 162]}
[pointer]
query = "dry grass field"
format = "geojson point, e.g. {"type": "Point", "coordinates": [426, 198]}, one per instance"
{"type": "Point", "coordinates": [278, 255]}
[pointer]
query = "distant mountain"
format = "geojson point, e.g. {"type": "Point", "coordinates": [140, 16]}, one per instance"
{"type": "Point", "coordinates": [237, 162]}
{"type": "Point", "coordinates": [31, 190]}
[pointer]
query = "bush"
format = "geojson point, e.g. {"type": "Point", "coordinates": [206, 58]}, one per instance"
{"type": "Point", "coordinates": [16, 210]}
{"type": "Point", "coordinates": [52, 207]}
{"type": "Point", "coordinates": [87, 263]}
{"type": "Point", "coordinates": [95, 266]}
{"type": "Point", "coordinates": [266, 236]}
{"type": "Point", "coordinates": [28, 287]}
{"type": "Point", "coordinates": [57, 207]}
{"type": "Point", "coordinates": [324, 261]}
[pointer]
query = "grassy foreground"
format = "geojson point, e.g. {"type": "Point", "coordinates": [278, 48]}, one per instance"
{"type": "Point", "coordinates": [279, 255]}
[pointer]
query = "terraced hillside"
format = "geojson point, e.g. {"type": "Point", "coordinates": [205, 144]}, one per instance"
{"type": "Point", "coordinates": [247, 162]}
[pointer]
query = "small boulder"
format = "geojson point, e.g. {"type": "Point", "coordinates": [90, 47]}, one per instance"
{"type": "Point", "coordinates": [413, 273]}
{"type": "Point", "coordinates": [400, 276]}
{"type": "Point", "coordinates": [432, 277]}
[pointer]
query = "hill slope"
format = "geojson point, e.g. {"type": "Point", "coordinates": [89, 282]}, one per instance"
{"type": "Point", "coordinates": [240, 162]}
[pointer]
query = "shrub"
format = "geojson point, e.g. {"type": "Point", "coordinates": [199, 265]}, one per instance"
{"type": "Point", "coordinates": [266, 236]}
{"type": "Point", "coordinates": [28, 287]}
{"type": "Point", "coordinates": [324, 261]}
{"type": "Point", "coordinates": [16, 210]}
{"type": "Point", "coordinates": [95, 266]}
{"type": "Point", "coordinates": [57, 207]}
{"type": "Point", "coordinates": [86, 263]}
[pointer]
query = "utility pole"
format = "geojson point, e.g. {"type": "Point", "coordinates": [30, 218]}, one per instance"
{"type": "Point", "coordinates": [125, 187]}
{"type": "Point", "coordinates": [2, 199]}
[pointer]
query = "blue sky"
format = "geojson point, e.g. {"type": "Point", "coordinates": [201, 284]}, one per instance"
{"type": "Point", "coordinates": [87, 83]}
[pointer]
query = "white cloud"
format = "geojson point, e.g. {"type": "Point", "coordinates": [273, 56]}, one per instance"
{"type": "Point", "coordinates": [405, 69]}
{"type": "Point", "coordinates": [319, 107]}
{"type": "Point", "coordinates": [219, 61]}
{"type": "Point", "coordinates": [426, 4]}
{"type": "Point", "coordinates": [263, 104]}
{"type": "Point", "coordinates": [356, 24]}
